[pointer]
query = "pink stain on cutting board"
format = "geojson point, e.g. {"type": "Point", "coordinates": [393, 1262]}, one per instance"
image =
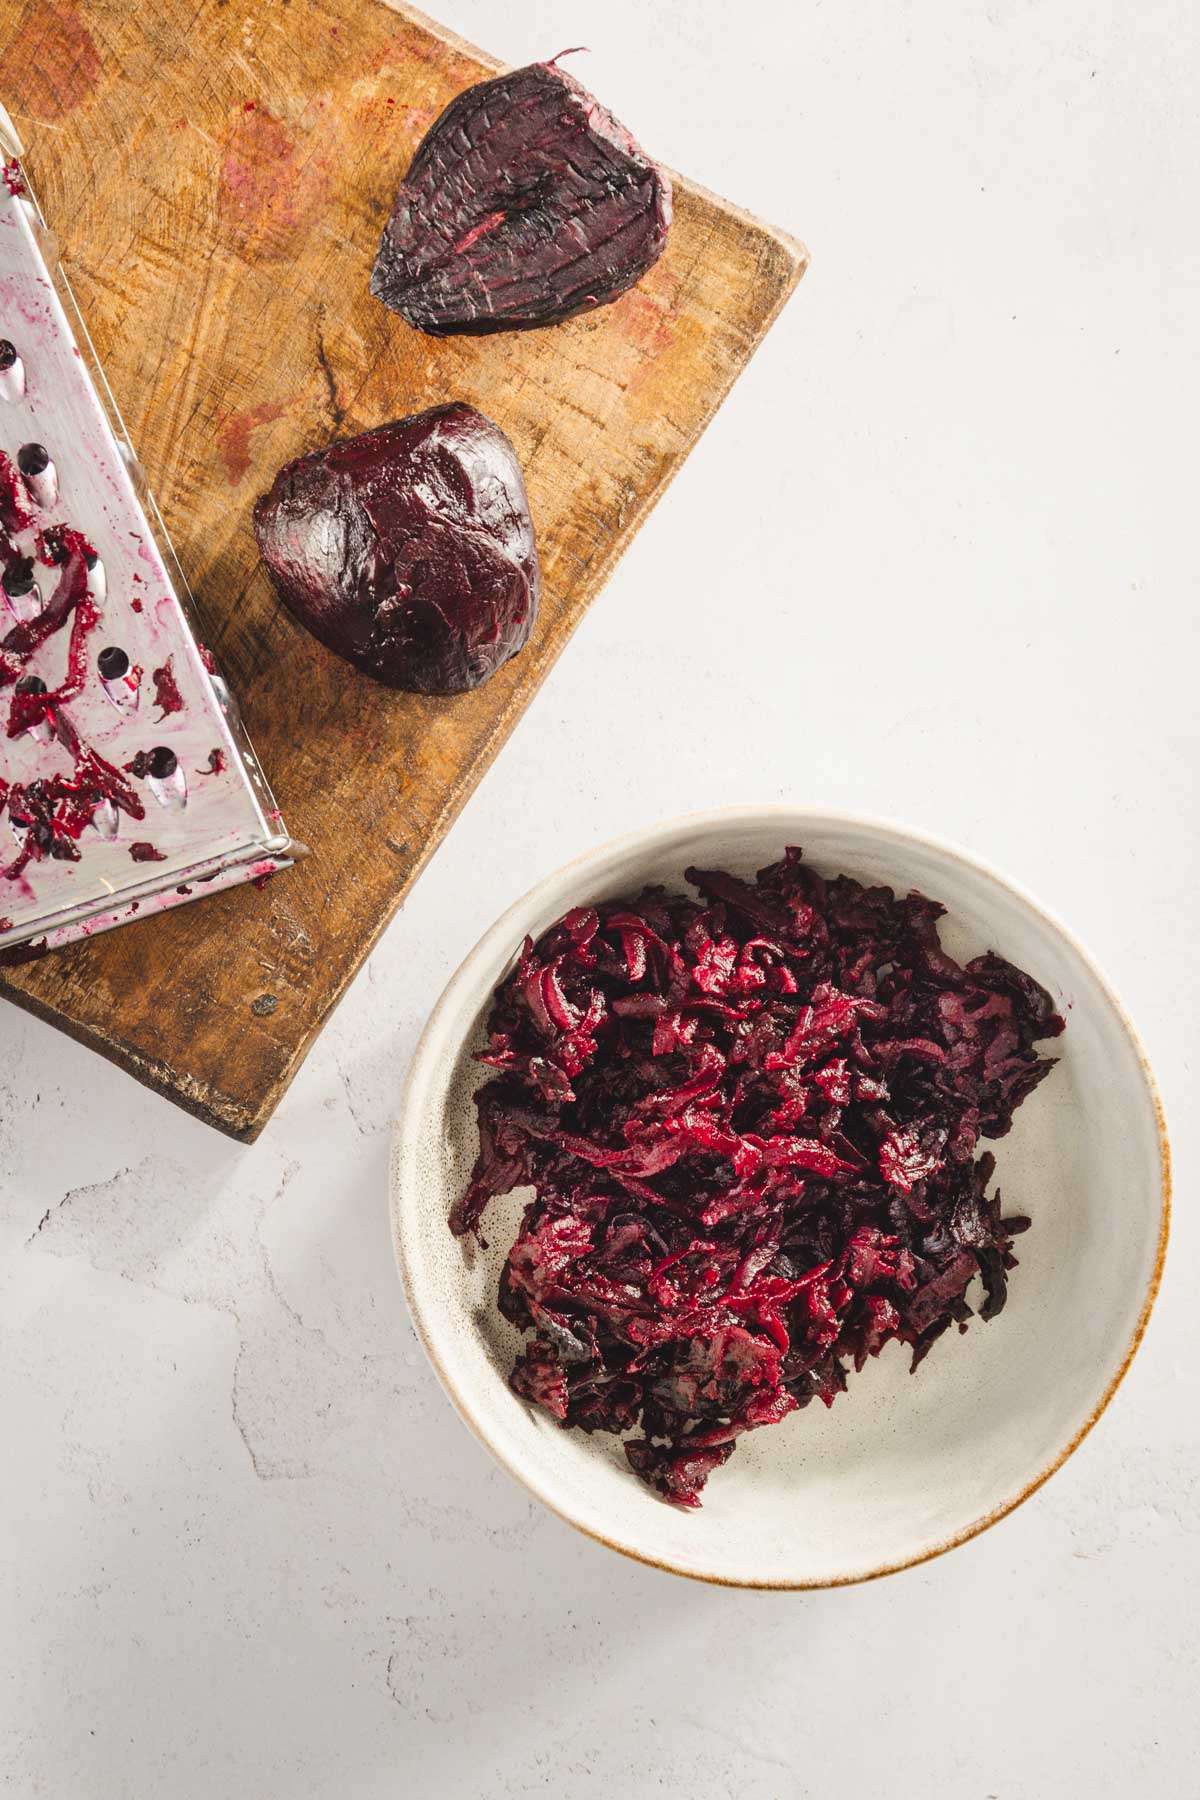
{"type": "Point", "coordinates": [235, 433]}
{"type": "Point", "coordinates": [410, 46]}
{"type": "Point", "coordinates": [648, 313]}
{"type": "Point", "coordinates": [267, 186]}
{"type": "Point", "coordinates": [378, 112]}
{"type": "Point", "coordinates": [648, 318]}
{"type": "Point", "coordinates": [53, 61]}
{"type": "Point", "coordinates": [418, 119]}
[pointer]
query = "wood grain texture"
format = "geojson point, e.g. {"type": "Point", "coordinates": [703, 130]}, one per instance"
{"type": "Point", "coordinates": [218, 175]}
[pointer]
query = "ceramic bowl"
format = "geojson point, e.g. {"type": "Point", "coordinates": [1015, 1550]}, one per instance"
{"type": "Point", "coordinates": [903, 1466]}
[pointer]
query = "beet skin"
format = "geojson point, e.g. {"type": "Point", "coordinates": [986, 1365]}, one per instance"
{"type": "Point", "coordinates": [408, 550]}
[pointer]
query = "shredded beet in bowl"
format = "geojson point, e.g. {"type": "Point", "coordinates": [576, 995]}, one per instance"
{"type": "Point", "coordinates": [714, 1122]}
{"type": "Point", "coordinates": [752, 1115]}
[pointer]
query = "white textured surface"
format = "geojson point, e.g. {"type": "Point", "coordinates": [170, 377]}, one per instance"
{"type": "Point", "coordinates": [247, 1548]}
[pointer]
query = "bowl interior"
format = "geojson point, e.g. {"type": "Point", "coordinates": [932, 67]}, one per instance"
{"type": "Point", "coordinates": [902, 1465]}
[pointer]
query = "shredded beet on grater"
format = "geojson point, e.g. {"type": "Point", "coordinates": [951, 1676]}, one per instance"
{"type": "Point", "coordinates": [127, 781]}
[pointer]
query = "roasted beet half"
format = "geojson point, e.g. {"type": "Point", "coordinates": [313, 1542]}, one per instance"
{"type": "Point", "coordinates": [750, 1121]}
{"type": "Point", "coordinates": [408, 550]}
{"type": "Point", "coordinates": [525, 204]}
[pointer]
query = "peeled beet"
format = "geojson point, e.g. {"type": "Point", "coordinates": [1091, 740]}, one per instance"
{"type": "Point", "coordinates": [408, 550]}
{"type": "Point", "coordinates": [526, 203]}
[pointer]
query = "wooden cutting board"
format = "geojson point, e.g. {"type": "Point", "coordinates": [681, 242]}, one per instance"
{"type": "Point", "coordinates": [218, 173]}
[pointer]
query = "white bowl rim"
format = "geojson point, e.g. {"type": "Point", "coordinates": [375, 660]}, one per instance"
{"type": "Point", "coordinates": [503, 929]}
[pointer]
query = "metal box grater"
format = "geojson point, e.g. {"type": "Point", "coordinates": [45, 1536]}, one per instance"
{"type": "Point", "coordinates": [127, 782]}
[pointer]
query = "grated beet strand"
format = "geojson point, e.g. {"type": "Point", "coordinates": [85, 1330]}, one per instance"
{"type": "Point", "coordinates": [24, 638]}
{"type": "Point", "coordinates": [751, 1122]}
{"type": "Point", "coordinates": [167, 696]}
{"type": "Point", "coordinates": [30, 708]}
{"type": "Point", "coordinates": [14, 511]}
